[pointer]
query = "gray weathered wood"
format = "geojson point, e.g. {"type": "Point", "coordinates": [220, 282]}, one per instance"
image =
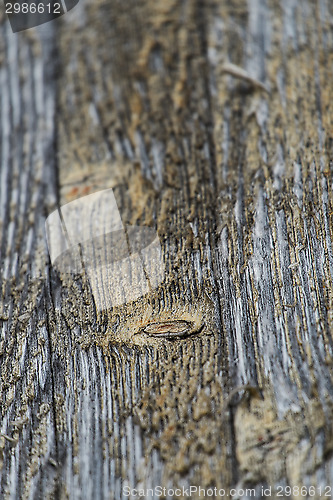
{"type": "Point", "coordinates": [235, 174]}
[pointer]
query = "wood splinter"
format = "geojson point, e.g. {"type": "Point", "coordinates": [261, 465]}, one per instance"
{"type": "Point", "coordinates": [242, 74]}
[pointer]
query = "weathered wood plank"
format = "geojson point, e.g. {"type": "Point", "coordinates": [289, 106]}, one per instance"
{"type": "Point", "coordinates": [151, 153]}
{"type": "Point", "coordinates": [237, 182]}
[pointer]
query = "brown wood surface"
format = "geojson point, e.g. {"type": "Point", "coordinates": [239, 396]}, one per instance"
{"type": "Point", "coordinates": [212, 122]}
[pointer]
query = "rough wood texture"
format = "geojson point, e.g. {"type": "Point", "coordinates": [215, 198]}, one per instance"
{"type": "Point", "coordinates": [235, 173]}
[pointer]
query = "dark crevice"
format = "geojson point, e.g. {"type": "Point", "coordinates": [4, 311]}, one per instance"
{"type": "Point", "coordinates": [202, 24]}
{"type": "Point", "coordinates": [51, 70]}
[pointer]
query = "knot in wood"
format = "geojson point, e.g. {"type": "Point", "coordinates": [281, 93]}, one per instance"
{"type": "Point", "coordinates": [169, 329]}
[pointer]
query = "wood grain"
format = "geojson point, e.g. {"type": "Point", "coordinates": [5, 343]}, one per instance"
{"type": "Point", "coordinates": [233, 169]}
{"type": "Point", "coordinates": [28, 192]}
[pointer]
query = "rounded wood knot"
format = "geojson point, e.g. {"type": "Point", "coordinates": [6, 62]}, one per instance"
{"type": "Point", "coordinates": [170, 329]}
